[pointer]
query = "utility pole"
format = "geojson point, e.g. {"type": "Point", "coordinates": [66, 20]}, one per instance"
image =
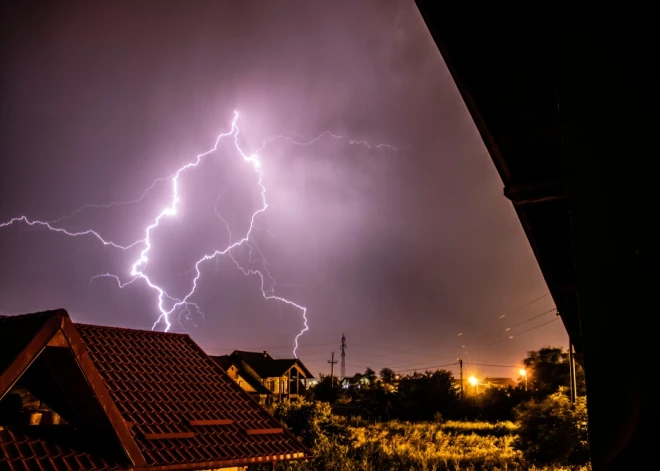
{"type": "Point", "coordinates": [343, 357]}
{"type": "Point", "coordinates": [332, 362]}
{"type": "Point", "coordinates": [571, 361]}
{"type": "Point", "coordinates": [460, 363]}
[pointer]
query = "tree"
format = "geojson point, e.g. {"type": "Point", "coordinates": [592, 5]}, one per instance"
{"type": "Point", "coordinates": [312, 422]}
{"type": "Point", "coordinates": [325, 391]}
{"type": "Point", "coordinates": [549, 370]}
{"type": "Point", "coordinates": [387, 375]}
{"type": "Point", "coordinates": [326, 435]}
{"type": "Point", "coordinates": [553, 430]}
{"type": "Point", "coordinates": [497, 404]}
{"type": "Point", "coordinates": [370, 375]}
{"type": "Point", "coordinates": [423, 396]}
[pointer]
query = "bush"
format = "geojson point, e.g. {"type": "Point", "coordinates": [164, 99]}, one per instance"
{"type": "Point", "coordinates": [553, 430]}
{"type": "Point", "coordinates": [402, 446]}
{"type": "Point", "coordinates": [312, 422]}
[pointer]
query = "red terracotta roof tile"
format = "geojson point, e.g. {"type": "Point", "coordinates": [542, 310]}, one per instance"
{"type": "Point", "coordinates": [27, 450]}
{"type": "Point", "coordinates": [163, 381]}
{"type": "Point", "coordinates": [182, 407]}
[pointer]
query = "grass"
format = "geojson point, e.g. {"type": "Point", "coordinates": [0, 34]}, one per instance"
{"type": "Point", "coordinates": [498, 429]}
{"type": "Point", "coordinates": [430, 446]}
{"type": "Point", "coordinates": [450, 446]}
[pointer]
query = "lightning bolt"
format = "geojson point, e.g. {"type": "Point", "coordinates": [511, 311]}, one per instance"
{"type": "Point", "coordinates": [114, 204]}
{"type": "Point", "coordinates": [50, 227]}
{"type": "Point", "coordinates": [286, 137]}
{"type": "Point", "coordinates": [168, 304]}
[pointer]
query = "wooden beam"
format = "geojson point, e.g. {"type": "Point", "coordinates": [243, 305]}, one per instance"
{"type": "Point", "coordinates": [58, 340]}
{"type": "Point", "coordinates": [264, 431]}
{"type": "Point", "coordinates": [95, 381]}
{"type": "Point", "coordinates": [30, 353]}
{"type": "Point", "coordinates": [226, 463]}
{"type": "Point", "coordinates": [201, 423]}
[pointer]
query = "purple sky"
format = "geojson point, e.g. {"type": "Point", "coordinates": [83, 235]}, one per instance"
{"type": "Point", "coordinates": [401, 250]}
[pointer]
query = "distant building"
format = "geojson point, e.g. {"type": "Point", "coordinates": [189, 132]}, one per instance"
{"type": "Point", "coordinates": [268, 379]}
{"type": "Point", "coordinates": [501, 383]}
{"type": "Point", "coordinates": [357, 380]}
{"type": "Point", "coordinates": [249, 381]}
{"type": "Point", "coordinates": [94, 398]}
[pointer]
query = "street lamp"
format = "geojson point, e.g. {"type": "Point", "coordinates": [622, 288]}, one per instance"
{"type": "Point", "coordinates": [523, 373]}
{"type": "Point", "coordinates": [474, 382]}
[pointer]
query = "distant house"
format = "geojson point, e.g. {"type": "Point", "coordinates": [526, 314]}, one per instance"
{"type": "Point", "coordinates": [88, 397]}
{"type": "Point", "coordinates": [502, 383]}
{"type": "Point", "coordinates": [266, 378]}
{"type": "Point", "coordinates": [246, 379]}
{"type": "Point", "coordinates": [357, 380]}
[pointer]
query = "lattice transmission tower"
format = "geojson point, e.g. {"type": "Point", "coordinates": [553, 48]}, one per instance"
{"type": "Point", "coordinates": [343, 356]}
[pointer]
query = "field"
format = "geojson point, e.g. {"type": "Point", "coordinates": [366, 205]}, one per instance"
{"type": "Point", "coordinates": [454, 446]}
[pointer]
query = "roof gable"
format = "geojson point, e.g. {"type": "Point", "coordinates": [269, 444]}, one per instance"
{"type": "Point", "coordinates": [181, 408]}
{"type": "Point", "coordinates": [266, 366]}
{"type": "Point", "coordinates": [54, 366]}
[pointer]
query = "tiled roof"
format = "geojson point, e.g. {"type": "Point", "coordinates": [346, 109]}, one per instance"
{"type": "Point", "coordinates": [266, 366]}
{"type": "Point", "coordinates": [34, 448]}
{"type": "Point", "coordinates": [181, 408]}
{"type": "Point", "coordinates": [276, 368]}
{"type": "Point", "coordinates": [160, 382]}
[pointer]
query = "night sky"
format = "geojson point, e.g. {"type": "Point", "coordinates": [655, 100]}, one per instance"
{"type": "Point", "coordinates": [401, 250]}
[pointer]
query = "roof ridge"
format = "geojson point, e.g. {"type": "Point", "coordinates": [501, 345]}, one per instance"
{"type": "Point", "coordinates": [130, 329]}
{"type": "Point", "coordinates": [51, 312]}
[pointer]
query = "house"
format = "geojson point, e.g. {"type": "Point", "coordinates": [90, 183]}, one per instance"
{"type": "Point", "coordinates": [501, 383]}
{"type": "Point", "coordinates": [88, 397]}
{"type": "Point", "coordinates": [246, 379]}
{"type": "Point", "coordinates": [358, 380]}
{"type": "Point", "coordinates": [268, 379]}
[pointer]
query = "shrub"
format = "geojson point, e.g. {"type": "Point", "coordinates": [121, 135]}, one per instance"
{"type": "Point", "coordinates": [553, 430]}
{"type": "Point", "coordinates": [312, 422]}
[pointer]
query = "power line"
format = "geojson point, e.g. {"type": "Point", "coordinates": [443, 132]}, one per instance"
{"type": "Point", "coordinates": [536, 316]}
{"type": "Point", "coordinates": [482, 364]}
{"type": "Point", "coordinates": [389, 352]}
{"type": "Point", "coordinates": [484, 337]}
{"type": "Point", "coordinates": [517, 335]}
{"type": "Point", "coordinates": [426, 368]}
{"type": "Point", "coordinates": [524, 305]}
{"type": "Point", "coordinates": [535, 327]}
{"type": "Point", "coordinates": [532, 318]}
{"type": "Point", "coordinates": [423, 368]}
{"type": "Point", "coordinates": [275, 347]}
{"type": "Point", "coordinates": [408, 363]}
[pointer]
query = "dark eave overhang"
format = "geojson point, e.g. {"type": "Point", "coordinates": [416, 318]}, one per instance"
{"type": "Point", "coordinates": [503, 69]}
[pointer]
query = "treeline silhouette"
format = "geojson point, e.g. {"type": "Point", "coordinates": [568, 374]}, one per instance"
{"type": "Point", "coordinates": [436, 395]}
